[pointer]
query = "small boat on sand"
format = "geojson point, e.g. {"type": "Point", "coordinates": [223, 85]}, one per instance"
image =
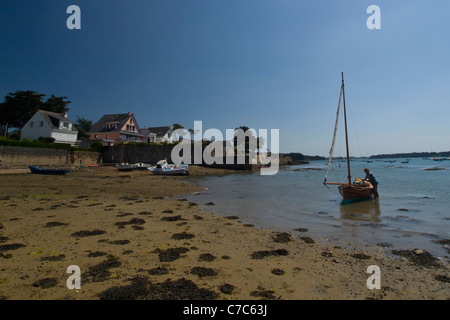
{"type": "Point", "coordinates": [125, 167]}
{"type": "Point", "coordinates": [39, 170]}
{"type": "Point", "coordinates": [163, 168]}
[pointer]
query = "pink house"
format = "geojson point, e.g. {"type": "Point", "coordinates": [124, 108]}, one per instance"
{"type": "Point", "coordinates": [113, 128]}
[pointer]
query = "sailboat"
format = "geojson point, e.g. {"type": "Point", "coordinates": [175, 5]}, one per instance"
{"type": "Point", "coordinates": [350, 191]}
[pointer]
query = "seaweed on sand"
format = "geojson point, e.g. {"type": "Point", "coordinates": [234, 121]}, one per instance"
{"type": "Point", "coordinates": [418, 257]}
{"type": "Point", "coordinates": [265, 253]}
{"type": "Point", "coordinates": [171, 254]}
{"type": "Point", "coordinates": [141, 288]}
{"type": "Point", "coordinates": [100, 272]}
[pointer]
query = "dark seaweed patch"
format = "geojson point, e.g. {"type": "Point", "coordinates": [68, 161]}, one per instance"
{"type": "Point", "coordinates": [45, 283]}
{"type": "Point", "coordinates": [361, 256]}
{"type": "Point", "coordinates": [13, 246]}
{"type": "Point", "coordinates": [307, 239]}
{"type": "Point", "coordinates": [282, 237]}
{"type": "Point", "coordinates": [171, 254]}
{"type": "Point", "coordinates": [265, 253]}
{"type": "Point", "coordinates": [167, 211]}
{"type": "Point", "coordinates": [53, 258]}
{"type": "Point", "coordinates": [134, 221]}
{"type": "Point", "coordinates": [264, 294]}
{"type": "Point", "coordinates": [174, 218]}
{"type": "Point", "coordinates": [124, 214]}
{"type": "Point", "coordinates": [226, 288]}
{"type": "Point", "coordinates": [278, 272]}
{"type": "Point", "coordinates": [180, 289]}
{"type": "Point", "coordinates": [418, 257]}
{"type": "Point", "coordinates": [158, 271]}
{"type": "Point", "coordinates": [145, 213]}
{"type": "Point", "coordinates": [87, 233]}
{"type": "Point", "coordinates": [55, 224]}
{"type": "Point", "coordinates": [100, 272]}
{"type": "Point", "coordinates": [138, 289]}
{"type": "Point", "coordinates": [96, 254]}
{"type": "Point", "coordinates": [141, 288]}
{"type": "Point", "coordinates": [182, 236]}
{"type": "Point", "coordinates": [119, 242]}
{"type": "Point", "coordinates": [208, 257]}
{"type": "Point", "coordinates": [442, 278]}
{"type": "Point", "coordinates": [203, 272]}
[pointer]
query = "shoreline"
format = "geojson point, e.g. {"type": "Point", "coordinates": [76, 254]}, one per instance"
{"type": "Point", "coordinates": [134, 236]}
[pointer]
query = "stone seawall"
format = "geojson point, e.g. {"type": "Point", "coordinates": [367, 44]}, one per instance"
{"type": "Point", "coordinates": [151, 154]}
{"type": "Point", "coordinates": [22, 157]}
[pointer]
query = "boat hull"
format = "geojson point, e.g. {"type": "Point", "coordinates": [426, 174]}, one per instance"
{"type": "Point", "coordinates": [352, 193]}
{"type": "Point", "coordinates": [169, 171]}
{"type": "Point", "coordinates": [38, 170]}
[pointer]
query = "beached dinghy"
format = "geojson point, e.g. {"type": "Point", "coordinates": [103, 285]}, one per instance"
{"type": "Point", "coordinates": [39, 170]}
{"type": "Point", "coordinates": [359, 189]}
{"type": "Point", "coordinates": [125, 167]}
{"type": "Point", "coordinates": [163, 168]}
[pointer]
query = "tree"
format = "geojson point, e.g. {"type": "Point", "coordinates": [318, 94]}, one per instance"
{"type": "Point", "coordinates": [20, 106]}
{"type": "Point", "coordinates": [83, 126]}
{"type": "Point", "coordinates": [249, 137]}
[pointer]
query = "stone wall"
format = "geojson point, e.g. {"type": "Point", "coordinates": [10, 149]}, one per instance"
{"type": "Point", "coordinates": [137, 153]}
{"type": "Point", "coordinates": [151, 154]}
{"type": "Point", "coordinates": [22, 157]}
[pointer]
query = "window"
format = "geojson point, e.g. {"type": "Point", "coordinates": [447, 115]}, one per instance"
{"type": "Point", "coordinates": [65, 125]}
{"type": "Point", "coordinates": [96, 136]}
{"type": "Point", "coordinates": [41, 124]}
{"type": "Point", "coordinates": [107, 136]}
{"type": "Point", "coordinates": [31, 124]}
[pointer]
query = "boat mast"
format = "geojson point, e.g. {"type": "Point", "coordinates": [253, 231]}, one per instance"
{"type": "Point", "coordinates": [346, 135]}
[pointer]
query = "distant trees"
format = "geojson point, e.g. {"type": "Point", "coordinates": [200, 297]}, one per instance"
{"type": "Point", "coordinates": [18, 107]}
{"type": "Point", "coordinates": [250, 142]}
{"type": "Point", "coordinates": [83, 126]}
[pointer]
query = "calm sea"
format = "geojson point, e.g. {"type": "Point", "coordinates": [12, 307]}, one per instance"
{"type": "Point", "coordinates": [413, 210]}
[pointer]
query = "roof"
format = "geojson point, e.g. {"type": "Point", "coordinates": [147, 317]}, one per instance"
{"type": "Point", "coordinates": [159, 131]}
{"type": "Point", "coordinates": [121, 119]}
{"type": "Point", "coordinates": [54, 118]}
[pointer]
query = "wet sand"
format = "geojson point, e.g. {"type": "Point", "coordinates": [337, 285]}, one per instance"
{"type": "Point", "coordinates": [132, 240]}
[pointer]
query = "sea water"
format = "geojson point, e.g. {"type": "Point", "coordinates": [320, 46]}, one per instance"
{"type": "Point", "coordinates": [413, 210]}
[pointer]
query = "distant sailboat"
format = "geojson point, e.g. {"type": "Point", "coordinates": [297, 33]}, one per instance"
{"type": "Point", "coordinates": [358, 190]}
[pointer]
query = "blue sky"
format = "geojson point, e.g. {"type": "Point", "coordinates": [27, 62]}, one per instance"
{"type": "Point", "coordinates": [266, 64]}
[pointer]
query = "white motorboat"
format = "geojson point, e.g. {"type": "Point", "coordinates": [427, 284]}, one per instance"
{"type": "Point", "coordinates": [163, 168]}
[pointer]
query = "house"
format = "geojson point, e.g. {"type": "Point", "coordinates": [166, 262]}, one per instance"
{"type": "Point", "coordinates": [114, 128]}
{"type": "Point", "coordinates": [158, 134]}
{"type": "Point", "coordinates": [50, 124]}
{"type": "Point", "coordinates": [147, 135]}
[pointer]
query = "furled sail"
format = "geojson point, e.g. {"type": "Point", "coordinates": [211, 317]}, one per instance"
{"type": "Point", "coordinates": [334, 137]}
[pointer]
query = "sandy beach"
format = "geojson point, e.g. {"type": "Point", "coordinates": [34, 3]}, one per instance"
{"type": "Point", "coordinates": [132, 239]}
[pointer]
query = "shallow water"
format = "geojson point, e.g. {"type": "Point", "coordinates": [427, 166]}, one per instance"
{"type": "Point", "coordinates": [412, 212]}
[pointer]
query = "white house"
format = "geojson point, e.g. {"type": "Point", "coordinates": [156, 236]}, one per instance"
{"type": "Point", "coordinates": [160, 134]}
{"type": "Point", "coordinates": [50, 124]}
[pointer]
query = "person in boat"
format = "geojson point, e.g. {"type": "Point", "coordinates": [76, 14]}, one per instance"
{"type": "Point", "coordinates": [371, 178]}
